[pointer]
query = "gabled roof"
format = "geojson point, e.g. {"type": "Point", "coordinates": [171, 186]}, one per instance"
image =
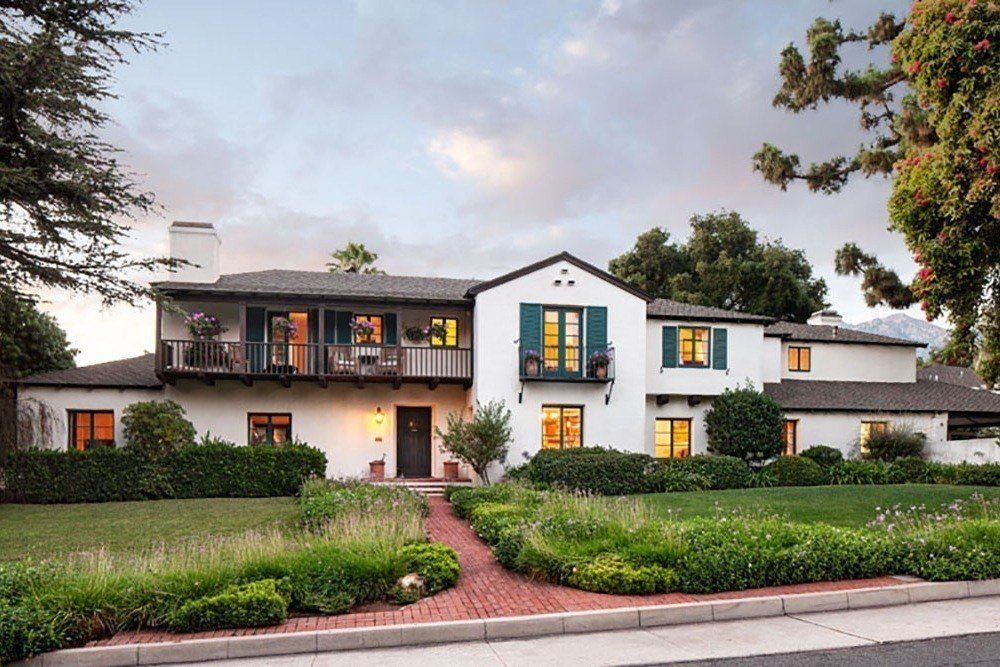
{"type": "Point", "coordinates": [353, 286]}
{"type": "Point", "coordinates": [960, 375]}
{"type": "Point", "coordinates": [549, 261]}
{"type": "Point", "coordinates": [822, 333]}
{"type": "Point", "coordinates": [134, 373]}
{"type": "Point", "coordinates": [919, 396]}
{"type": "Point", "coordinates": [665, 309]}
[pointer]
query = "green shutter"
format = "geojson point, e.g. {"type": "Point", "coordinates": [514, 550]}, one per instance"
{"type": "Point", "coordinates": [344, 334]}
{"type": "Point", "coordinates": [669, 347]}
{"type": "Point", "coordinates": [720, 349]}
{"type": "Point", "coordinates": [531, 326]}
{"type": "Point", "coordinates": [597, 329]}
{"type": "Point", "coordinates": [330, 327]}
{"type": "Point", "coordinates": [256, 354]}
{"type": "Point", "coordinates": [389, 328]}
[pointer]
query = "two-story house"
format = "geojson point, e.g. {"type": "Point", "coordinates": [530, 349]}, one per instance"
{"type": "Point", "coordinates": [366, 366]}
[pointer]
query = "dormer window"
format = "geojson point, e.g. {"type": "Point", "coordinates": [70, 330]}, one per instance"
{"type": "Point", "coordinates": [799, 359]}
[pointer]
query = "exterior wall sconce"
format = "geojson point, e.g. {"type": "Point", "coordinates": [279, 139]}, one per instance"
{"type": "Point", "coordinates": [379, 416]}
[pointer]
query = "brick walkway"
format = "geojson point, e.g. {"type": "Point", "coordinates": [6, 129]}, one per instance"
{"type": "Point", "coordinates": [485, 589]}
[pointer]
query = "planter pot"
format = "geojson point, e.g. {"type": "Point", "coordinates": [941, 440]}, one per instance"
{"type": "Point", "coordinates": [531, 367]}
{"type": "Point", "coordinates": [601, 372]}
{"type": "Point", "coordinates": [451, 470]}
{"type": "Point", "coordinates": [377, 470]}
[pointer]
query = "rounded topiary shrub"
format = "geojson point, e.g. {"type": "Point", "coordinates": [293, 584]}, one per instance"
{"type": "Point", "coordinates": [745, 423]}
{"type": "Point", "coordinates": [156, 428]}
{"type": "Point", "coordinates": [823, 455]}
{"type": "Point", "coordinates": [609, 573]}
{"type": "Point", "coordinates": [796, 471]}
{"type": "Point", "coordinates": [896, 442]}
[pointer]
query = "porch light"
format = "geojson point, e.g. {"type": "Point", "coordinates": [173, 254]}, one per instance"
{"type": "Point", "coordinates": [379, 416]}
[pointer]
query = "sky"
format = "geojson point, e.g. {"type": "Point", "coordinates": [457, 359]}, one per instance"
{"type": "Point", "coordinates": [468, 139]}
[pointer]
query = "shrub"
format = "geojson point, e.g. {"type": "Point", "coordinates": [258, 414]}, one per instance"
{"type": "Point", "coordinates": [914, 470]}
{"type": "Point", "coordinates": [611, 574]}
{"type": "Point", "coordinates": [436, 563]}
{"type": "Point", "coordinates": [666, 478]}
{"type": "Point", "coordinates": [864, 472]}
{"type": "Point", "coordinates": [481, 441]}
{"type": "Point", "coordinates": [156, 428]}
{"type": "Point", "coordinates": [251, 605]}
{"type": "Point", "coordinates": [590, 469]}
{"type": "Point", "coordinates": [722, 472]}
{"type": "Point", "coordinates": [796, 471]}
{"type": "Point", "coordinates": [745, 423]}
{"type": "Point", "coordinates": [194, 471]}
{"type": "Point", "coordinates": [986, 474]}
{"type": "Point", "coordinates": [896, 442]}
{"type": "Point", "coordinates": [823, 455]}
{"type": "Point", "coordinates": [324, 500]}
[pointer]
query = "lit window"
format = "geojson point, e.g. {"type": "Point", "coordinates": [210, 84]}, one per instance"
{"type": "Point", "coordinates": [270, 428]}
{"type": "Point", "coordinates": [561, 341]}
{"type": "Point", "coordinates": [790, 437]}
{"type": "Point", "coordinates": [672, 438]}
{"type": "Point", "coordinates": [376, 333]}
{"type": "Point", "coordinates": [799, 359]}
{"type": "Point", "coordinates": [694, 346]}
{"type": "Point", "coordinates": [868, 429]}
{"type": "Point", "coordinates": [91, 428]}
{"type": "Point", "coordinates": [450, 338]}
{"type": "Point", "coordinates": [562, 426]}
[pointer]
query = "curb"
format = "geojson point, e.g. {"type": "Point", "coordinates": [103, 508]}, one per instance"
{"type": "Point", "coordinates": [625, 618]}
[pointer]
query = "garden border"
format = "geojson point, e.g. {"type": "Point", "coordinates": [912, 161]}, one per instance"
{"type": "Point", "coordinates": [511, 627]}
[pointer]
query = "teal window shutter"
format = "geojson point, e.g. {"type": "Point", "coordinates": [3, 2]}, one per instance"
{"type": "Point", "coordinates": [256, 354]}
{"type": "Point", "coordinates": [389, 334]}
{"type": "Point", "coordinates": [330, 327]}
{"type": "Point", "coordinates": [669, 347]}
{"type": "Point", "coordinates": [344, 334]}
{"type": "Point", "coordinates": [597, 329]}
{"type": "Point", "coordinates": [531, 326]}
{"type": "Point", "coordinates": [720, 349]}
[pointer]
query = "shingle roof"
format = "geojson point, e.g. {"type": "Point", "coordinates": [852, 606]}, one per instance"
{"type": "Point", "coordinates": [137, 372]}
{"type": "Point", "coordinates": [332, 285]}
{"type": "Point", "coordinates": [821, 333]}
{"type": "Point", "coordinates": [675, 310]}
{"type": "Point", "coordinates": [960, 375]}
{"type": "Point", "coordinates": [919, 396]}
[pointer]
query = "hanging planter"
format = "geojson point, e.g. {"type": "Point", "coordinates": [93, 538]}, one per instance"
{"type": "Point", "coordinates": [203, 326]}
{"type": "Point", "coordinates": [284, 326]}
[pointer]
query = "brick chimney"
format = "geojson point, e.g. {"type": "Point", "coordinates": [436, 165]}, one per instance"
{"type": "Point", "coordinates": [198, 243]}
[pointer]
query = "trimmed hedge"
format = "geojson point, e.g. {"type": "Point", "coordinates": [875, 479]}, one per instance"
{"type": "Point", "coordinates": [253, 605]}
{"type": "Point", "coordinates": [796, 471]}
{"type": "Point", "coordinates": [196, 471]}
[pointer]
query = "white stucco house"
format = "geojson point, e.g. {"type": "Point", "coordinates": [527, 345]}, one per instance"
{"type": "Point", "coordinates": [580, 357]}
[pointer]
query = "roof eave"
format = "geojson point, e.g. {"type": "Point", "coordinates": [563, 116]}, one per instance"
{"type": "Point", "coordinates": [710, 318]}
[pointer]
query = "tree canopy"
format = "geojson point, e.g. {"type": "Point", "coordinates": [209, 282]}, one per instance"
{"type": "Point", "coordinates": [353, 258]}
{"type": "Point", "coordinates": [724, 264]}
{"type": "Point", "coordinates": [939, 143]}
{"type": "Point", "coordinates": [65, 198]}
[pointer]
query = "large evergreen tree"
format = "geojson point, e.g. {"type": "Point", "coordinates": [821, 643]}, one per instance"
{"type": "Point", "coordinates": [940, 144]}
{"type": "Point", "coordinates": [724, 264]}
{"type": "Point", "coordinates": [65, 198]}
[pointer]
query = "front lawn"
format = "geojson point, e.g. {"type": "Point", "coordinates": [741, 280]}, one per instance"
{"type": "Point", "coordinates": [835, 505]}
{"type": "Point", "coordinates": [54, 531]}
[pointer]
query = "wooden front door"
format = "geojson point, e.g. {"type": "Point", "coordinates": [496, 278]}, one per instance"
{"type": "Point", "coordinates": [413, 442]}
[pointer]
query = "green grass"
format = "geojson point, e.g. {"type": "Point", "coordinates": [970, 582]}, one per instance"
{"type": "Point", "coordinates": [53, 531]}
{"type": "Point", "coordinates": [836, 505]}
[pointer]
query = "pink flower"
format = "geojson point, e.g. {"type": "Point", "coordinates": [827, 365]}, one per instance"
{"type": "Point", "coordinates": [949, 17]}
{"type": "Point", "coordinates": [915, 67]}
{"type": "Point", "coordinates": [941, 83]}
{"type": "Point", "coordinates": [983, 45]}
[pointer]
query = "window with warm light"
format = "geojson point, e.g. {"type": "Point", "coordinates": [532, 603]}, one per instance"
{"type": "Point", "coordinates": [562, 426]}
{"type": "Point", "coordinates": [268, 428]}
{"type": "Point", "coordinates": [561, 329]}
{"type": "Point", "coordinates": [693, 346]}
{"type": "Point", "coordinates": [799, 359]}
{"type": "Point", "coordinates": [450, 338]}
{"type": "Point", "coordinates": [868, 429]}
{"type": "Point", "coordinates": [91, 428]}
{"type": "Point", "coordinates": [375, 337]}
{"type": "Point", "coordinates": [789, 434]}
{"type": "Point", "coordinates": [672, 438]}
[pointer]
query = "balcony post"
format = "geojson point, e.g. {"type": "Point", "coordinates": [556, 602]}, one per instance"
{"type": "Point", "coordinates": [158, 352]}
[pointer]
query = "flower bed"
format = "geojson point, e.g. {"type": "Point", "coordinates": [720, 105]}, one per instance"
{"type": "Point", "coordinates": [338, 558]}
{"type": "Point", "coordinates": [620, 546]}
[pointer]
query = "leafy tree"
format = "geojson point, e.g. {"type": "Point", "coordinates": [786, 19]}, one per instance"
{"type": "Point", "coordinates": [156, 428]}
{"type": "Point", "coordinates": [745, 423]}
{"type": "Point", "coordinates": [481, 441]}
{"type": "Point", "coordinates": [30, 342]}
{"type": "Point", "coordinates": [724, 264]}
{"type": "Point", "coordinates": [64, 196]}
{"type": "Point", "coordinates": [939, 143]}
{"type": "Point", "coordinates": [354, 258]}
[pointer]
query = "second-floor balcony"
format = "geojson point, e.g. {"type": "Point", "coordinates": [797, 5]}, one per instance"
{"type": "Point", "coordinates": [323, 362]}
{"type": "Point", "coordinates": [567, 363]}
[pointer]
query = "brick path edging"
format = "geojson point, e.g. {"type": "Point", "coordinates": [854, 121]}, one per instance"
{"type": "Point", "coordinates": [288, 643]}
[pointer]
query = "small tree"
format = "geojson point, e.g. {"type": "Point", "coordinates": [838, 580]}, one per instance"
{"type": "Point", "coordinates": [156, 428]}
{"type": "Point", "coordinates": [481, 441]}
{"type": "Point", "coordinates": [745, 423]}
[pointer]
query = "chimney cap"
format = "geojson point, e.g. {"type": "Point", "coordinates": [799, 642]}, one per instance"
{"type": "Point", "coordinates": [197, 225]}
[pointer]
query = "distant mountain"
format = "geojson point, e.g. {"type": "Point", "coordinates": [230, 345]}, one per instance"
{"type": "Point", "coordinates": [900, 325]}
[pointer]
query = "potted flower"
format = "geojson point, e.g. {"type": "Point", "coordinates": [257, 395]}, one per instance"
{"type": "Point", "coordinates": [202, 353]}
{"type": "Point", "coordinates": [203, 326]}
{"type": "Point", "coordinates": [286, 327]}
{"type": "Point", "coordinates": [362, 330]}
{"type": "Point", "coordinates": [377, 469]}
{"type": "Point", "coordinates": [532, 363]}
{"type": "Point", "coordinates": [415, 334]}
{"type": "Point", "coordinates": [599, 362]}
{"type": "Point", "coordinates": [450, 471]}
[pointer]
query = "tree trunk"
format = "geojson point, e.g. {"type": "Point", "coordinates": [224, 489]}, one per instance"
{"type": "Point", "coordinates": [8, 415]}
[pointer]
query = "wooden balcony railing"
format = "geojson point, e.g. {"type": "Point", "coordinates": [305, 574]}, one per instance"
{"type": "Point", "coordinates": [199, 358]}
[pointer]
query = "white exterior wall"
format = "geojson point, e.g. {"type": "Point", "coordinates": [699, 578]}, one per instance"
{"type": "Point", "coordinates": [774, 359]}
{"type": "Point", "coordinates": [198, 244]}
{"type": "Point", "coordinates": [174, 328]}
{"type": "Point", "coordinates": [497, 330]}
{"type": "Point", "coordinates": [979, 450]}
{"type": "Point", "coordinates": [745, 353]}
{"type": "Point", "coordinates": [339, 420]}
{"type": "Point", "coordinates": [842, 429]}
{"type": "Point", "coordinates": [854, 362]}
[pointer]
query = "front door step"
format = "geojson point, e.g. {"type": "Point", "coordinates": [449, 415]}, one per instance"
{"type": "Point", "coordinates": [425, 486]}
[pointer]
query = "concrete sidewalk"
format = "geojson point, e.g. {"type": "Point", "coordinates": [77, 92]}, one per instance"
{"type": "Point", "coordinates": [683, 643]}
